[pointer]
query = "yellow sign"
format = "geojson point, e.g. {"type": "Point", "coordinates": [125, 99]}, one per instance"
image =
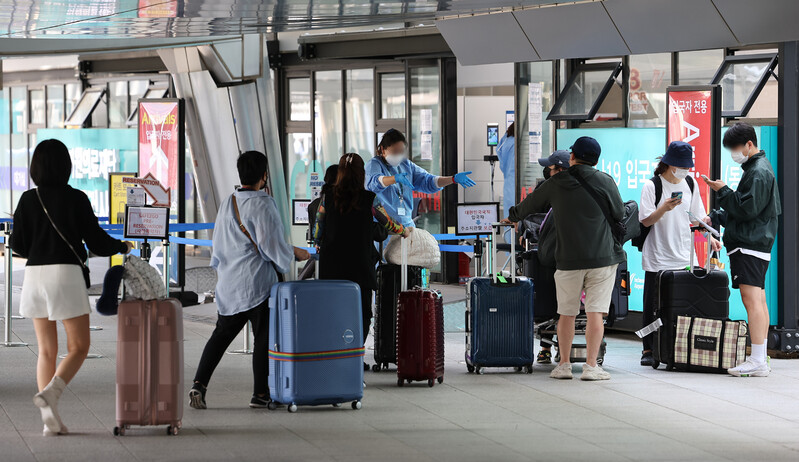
{"type": "Point", "coordinates": [117, 198]}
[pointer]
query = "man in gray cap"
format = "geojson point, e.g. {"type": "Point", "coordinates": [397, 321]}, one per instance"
{"type": "Point", "coordinates": [557, 162]}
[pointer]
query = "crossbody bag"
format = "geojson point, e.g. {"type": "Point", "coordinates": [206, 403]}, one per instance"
{"type": "Point", "coordinates": [83, 266]}
{"type": "Point", "coordinates": [617, 228]}
{"type": "Point", "coordinates": [249, 236]}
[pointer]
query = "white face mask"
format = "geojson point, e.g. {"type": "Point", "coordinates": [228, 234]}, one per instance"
{"type": "Point", "coordinates": [394, 159]}
{"type": "Point", "coordinates": [680, 173]}
{"type": "Point", "coordinates": [738, 157]}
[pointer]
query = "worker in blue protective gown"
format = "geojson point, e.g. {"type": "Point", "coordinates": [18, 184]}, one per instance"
{"type": "Point", "coordinates": [506, 151]}
{"type": "Point", "coordinates": [393, 177]}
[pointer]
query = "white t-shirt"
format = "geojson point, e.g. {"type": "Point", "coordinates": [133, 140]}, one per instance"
{"type": "Point", "coordinates": [670, 242]}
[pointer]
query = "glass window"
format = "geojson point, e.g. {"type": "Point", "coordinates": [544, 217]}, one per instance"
{"type": "Point", "coordinates": [5, 158]}
{"type": "Point", "coordinates": [327, 118]}
{"type": "Point", "coordinates": [392, 96]}
{"type": "Point", "coordinates": [72, 95]}
{"type": "Point", "coordinates": [55, 106]}
{"type": "Point", "coordinates": [118, 104]}
{"type": "Point", "coordinates": [19, 110]}
{"type": "Point", "coordinates": [766, 106]}
{"type": "Point", "coordinates": [19, 144]}
{"type": "Point", "coordinates": [585, 91]}
{"type": "Point", "coordinates": [89, 100]}
{"type": "Point", "coordinates": [537, 76]}
{"type": "Point", "coordinates": [299, 164]}
{"type": "Point", "coordinates": [38, 107]}
{"type": "Point", "coordinates": [698, 67]}
{"type": "Point", "coordinates": [650, 75]}
{"type": "Point", "coordinates": [425, 139]}
{"type": "Point", "coordinates": [360, 112]}
{"type": "Point", "coordinates": [99, 115]}
{"type": "Point", "coordinates": [300, 99]}
{"type": "Point", "coordinates": [741, 79]}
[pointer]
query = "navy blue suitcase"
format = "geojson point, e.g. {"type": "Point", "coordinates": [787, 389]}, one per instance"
{"type": "Point", "coordinates": [500, 329]}
{"type": "Point", "coordinates": [316, 348]}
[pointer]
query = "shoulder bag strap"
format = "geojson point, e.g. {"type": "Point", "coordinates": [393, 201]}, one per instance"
{"type": "Point", "coordinates": [658, 182]}
{"type": "Point", "coordinates": [594, 195]}
{"type": "Point", "coordinates": [80, 260]}
{"type": "Point", "coordinates": [238, 219]}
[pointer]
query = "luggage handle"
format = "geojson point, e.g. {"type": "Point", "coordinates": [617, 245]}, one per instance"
{"type": "Point", "coordinates": [495, 228]}
{"type": "Point", "coordinates": [403, 265]}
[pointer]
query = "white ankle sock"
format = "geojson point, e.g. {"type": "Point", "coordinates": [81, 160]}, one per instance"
{"type": "Point", "coordinates": [758, 353]}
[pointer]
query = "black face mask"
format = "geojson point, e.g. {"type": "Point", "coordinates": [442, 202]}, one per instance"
{"type": "Point", "coordinates": [547, 173]}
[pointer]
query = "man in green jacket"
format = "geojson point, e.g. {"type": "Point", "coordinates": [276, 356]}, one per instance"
{"type": "Point", "coordinates": [749, 217]}
{"type": "Point", "coordinates": [586, 253]}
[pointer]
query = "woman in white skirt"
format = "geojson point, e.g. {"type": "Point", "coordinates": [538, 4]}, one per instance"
{"type": "Point", "coordinates": [51, 224]}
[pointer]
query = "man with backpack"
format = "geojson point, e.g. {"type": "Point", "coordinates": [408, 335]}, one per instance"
{"type": "Point", "coordinates": [666, 240]}
{"type": "Point", "coordinates": [588, 209]}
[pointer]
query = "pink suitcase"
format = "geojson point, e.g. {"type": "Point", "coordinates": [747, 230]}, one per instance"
{"type": "Point", "coordinates": [150, 364]}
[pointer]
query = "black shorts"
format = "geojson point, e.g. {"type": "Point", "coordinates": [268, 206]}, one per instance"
{"type": "Point", "coordinates": [748, 270]}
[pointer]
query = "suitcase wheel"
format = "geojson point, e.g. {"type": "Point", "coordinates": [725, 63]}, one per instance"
{"type": "Point", "coordinates": [529, 368]}
{"type": "Point", "coordinates": [470, 368]}
{"type": "Point", "coordinates": [400, 382]}
{"type": "Point", "coordinates": [518, 369]}
{"type": "Point", "coordinates": [408, 380]}
{"type": "Point", "coordinates": [431, 382]}
{"type": "Point", "coordinates": [655, 364]}
{"type": "Point", "coordinates": [119, 431]}
{"type": "Point", "coordinates": [478, 370]}
{"type": "Point", "coordinates": [356, 405]}
{"type": "Point", "coordinates": [376, 368]}
{"type": "Point", "coordinates": [272, 405]}
{"type": "Point", "coordinates": [441, 379]}
{"type": "Point", "coordinates": [599, 361]}
{"type": "Point", "coordinates": [172, 430]}
{"type": "Point", "coordinates": [292, 408]}
{"type": "Point", "coordinates": [337, 405]}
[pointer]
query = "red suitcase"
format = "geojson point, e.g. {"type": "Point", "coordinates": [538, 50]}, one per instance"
{"type": "Point", "coordinates": [420, 336]}
{"type": "Point", "coordinates": [149, 365]}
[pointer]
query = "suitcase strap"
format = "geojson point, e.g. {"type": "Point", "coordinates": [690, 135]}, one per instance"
{"type": "Point", "coordinates": [317, 355]}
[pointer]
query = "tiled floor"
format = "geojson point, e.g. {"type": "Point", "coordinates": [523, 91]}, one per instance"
{"type": "Point", "coordinates": [640, 414]}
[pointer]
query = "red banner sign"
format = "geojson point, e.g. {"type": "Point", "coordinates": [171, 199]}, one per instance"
{"type": "Point", "coordinates": [159, 144]}
{"type": "Point", "coordinates": [691, 120]}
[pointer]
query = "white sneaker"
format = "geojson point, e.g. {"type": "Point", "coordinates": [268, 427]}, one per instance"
{"type": "Point", "coordinates": [47, 402]}
{"type": "Point", "coordinates": [594, 373]}
{"type": "Point", "coordinates": [48, 432]}
{"type": "Point", "coordinates": [750, 368]}
{"type": "Point", "coordinates": [562, 371]}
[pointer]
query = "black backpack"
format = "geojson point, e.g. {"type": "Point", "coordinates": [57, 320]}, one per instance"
{"type": "Point", "coordinates": [638, 242]}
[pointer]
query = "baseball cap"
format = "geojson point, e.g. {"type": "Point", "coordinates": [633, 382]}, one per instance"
{"type": "Point", "coordinates": [587, 149]}
{"type": "Point", "coordinates": [560, 158]}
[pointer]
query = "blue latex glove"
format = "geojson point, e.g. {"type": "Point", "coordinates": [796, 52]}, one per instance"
{"type": "Point", "coordinates": [463, 179]}
{"type": "Point", "coordinates": [402, 178]}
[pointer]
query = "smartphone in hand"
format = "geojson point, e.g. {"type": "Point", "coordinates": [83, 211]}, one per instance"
{"type": "Point", "coordinates": [676, 195]}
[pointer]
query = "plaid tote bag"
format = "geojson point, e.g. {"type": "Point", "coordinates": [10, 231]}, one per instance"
{"type": "Point", "coordinates": [709, 345]}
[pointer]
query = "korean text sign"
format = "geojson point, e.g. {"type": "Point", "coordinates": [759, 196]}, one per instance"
{"type": "Point", "coordinates": [477, 218]}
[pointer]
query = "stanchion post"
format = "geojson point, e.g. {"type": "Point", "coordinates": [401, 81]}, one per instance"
{"type": "Point", "coordinates": [247, 350]}
{"type": "Point", "coordinates": [165, 247]}
{"type": "Point", "coordinates": [8, 260]}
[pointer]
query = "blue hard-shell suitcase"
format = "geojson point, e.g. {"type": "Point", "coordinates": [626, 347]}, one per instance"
{"type": "Point", "coordinates": [500, 329]}
{"type": "Point", "coordinates": [316, 343]}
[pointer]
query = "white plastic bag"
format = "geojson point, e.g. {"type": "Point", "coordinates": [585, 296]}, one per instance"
{"type": "Point", "coordinates": [422, 249]}
{"type": "Point", "coordinates": [142, 281]}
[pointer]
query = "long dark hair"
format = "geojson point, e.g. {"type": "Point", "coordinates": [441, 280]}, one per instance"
{"type": "Point", "coordinates": [511, 131]}
{"type": "Point", "coordinates": [349, 183]}
{"type": "Point", "coordinates": [390, 138]}
{"type": "Point", "coordinates": [661, 169]}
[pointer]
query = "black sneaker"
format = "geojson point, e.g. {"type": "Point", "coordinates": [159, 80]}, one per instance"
{"type": "Point", "coordinates": [544, 357]}
{"type": "Point", "coordinates": [365, 367]}
{"type": "Point", "coordinates": [197, 396]}
{"type": "Point", "coordinates": [647, 359]}
{"type": "Point", "coordinates": [258, 402]}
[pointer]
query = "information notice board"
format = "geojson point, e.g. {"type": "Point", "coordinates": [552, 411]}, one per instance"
{"type": "Point", "coordinates": [477, 218]}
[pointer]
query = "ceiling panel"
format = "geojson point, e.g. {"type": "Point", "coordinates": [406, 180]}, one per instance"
{"type": "Point", "coordinates": [652, 26]}
{"type": "Point", "coordinates": [571, 31]}
{"type": "Point", "coordinates": [761, 21]}
{"type": "Point", "coordinates": [486, 39]}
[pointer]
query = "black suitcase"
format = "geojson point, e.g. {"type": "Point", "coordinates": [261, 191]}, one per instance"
{"type": "Point", "coordinates": [619, 301]}
{"type": "Point", "coordinates": [388, 289]}
{"type": "Point", "coordinates": [687, 293]}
